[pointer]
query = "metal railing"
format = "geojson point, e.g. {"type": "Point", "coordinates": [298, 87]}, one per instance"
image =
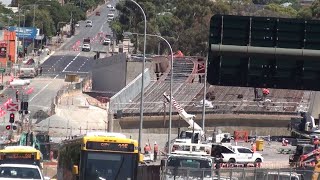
{"type": "Point", "coordinates": [236, 174]}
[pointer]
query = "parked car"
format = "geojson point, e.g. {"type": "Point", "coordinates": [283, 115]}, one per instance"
{"type": "Point", "coordinates": [98, 13]}
{"type": "Point", "coordinates": [236, 154]}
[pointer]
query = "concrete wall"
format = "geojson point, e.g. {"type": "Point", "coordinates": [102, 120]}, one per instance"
{"type": "Point", "coordinates": [109, 74]}
{"type": "Point", "coordinates": [255, 124]}
{"type": "Point", "coordinates": [129, 92]}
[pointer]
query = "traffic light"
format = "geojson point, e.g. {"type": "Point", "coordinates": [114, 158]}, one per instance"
{"type": "Point", "coordinates": [25, 106]}
{"type": "Point", "coordinates": [11, 120]}
{"type": "Point", "coordinates": [8, 127]}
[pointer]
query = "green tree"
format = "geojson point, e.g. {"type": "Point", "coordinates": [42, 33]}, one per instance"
{"type": "Point", "coordinates": [305, 13]}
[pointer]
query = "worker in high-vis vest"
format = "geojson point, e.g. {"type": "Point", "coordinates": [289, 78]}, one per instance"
{"type": "Point", "coordinates": [155, 151]}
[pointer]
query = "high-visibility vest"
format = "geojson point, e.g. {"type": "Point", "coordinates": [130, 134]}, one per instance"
{"type": "Point", "coordinates": [147, 149]}
{"type": "Point", "coordinates": [156, 148]}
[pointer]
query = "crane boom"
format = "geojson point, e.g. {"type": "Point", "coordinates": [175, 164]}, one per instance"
{"type": "Point", "coordinates": [184, 115]}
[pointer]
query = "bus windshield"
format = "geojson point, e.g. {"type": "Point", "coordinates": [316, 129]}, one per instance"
{"type": "Point", "coordinates": [109, 166]}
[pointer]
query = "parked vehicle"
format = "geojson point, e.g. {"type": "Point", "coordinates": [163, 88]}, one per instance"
{"type": "Point", "coordinates": [236, 154]}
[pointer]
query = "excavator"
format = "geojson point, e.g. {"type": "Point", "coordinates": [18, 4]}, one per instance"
{"type": "Point", "coordinates": [312, 160]}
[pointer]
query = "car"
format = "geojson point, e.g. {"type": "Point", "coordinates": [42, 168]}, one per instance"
{"type": "Point", "coordinates": [86, 47]}
{"type": "Point", "coordinates": [112, 8]}
{"type": "Point", "coordinates": [109, 6]}
{"type": "Point", "coordinates": [110, 17]}
{"type": "Point", "coordinates": [89, 23]}
{"type": "Point", "coordinates": [236, 154]}
{"type": "Point", "coordinates": [106, 41]}
{"type": "Point", "coordinates": [98, 13]}
{"type": "Point", "coordinates": [77, 25]}
{"type": "Point", "coordinates": [21, 171]}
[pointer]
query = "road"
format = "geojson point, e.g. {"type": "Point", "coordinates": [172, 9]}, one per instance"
{"type": "Point", "coordinates": [64, 61]}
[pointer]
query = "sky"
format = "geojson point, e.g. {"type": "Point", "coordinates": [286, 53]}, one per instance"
{"type": "Point", "coordinates": [5, 2]}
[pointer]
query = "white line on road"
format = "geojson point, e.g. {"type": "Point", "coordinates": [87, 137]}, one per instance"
{"type": "Point", "coordinates": [44, 87]}
{"type": "Point", "coordinates": [71, 62]}
{"type": "Point", "coordinates": [53, 79]}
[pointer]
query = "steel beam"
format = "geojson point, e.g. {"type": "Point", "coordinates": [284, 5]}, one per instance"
{"type": "Point", "coordinates": [267, 51]}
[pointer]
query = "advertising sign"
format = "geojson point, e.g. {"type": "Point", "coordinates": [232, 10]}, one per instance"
{"type": "Point", "coordinates": [26, 32]}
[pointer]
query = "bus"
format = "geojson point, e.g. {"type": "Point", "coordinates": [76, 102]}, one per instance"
{"type": "Point", "coordinates": [21, 155]}
{"type": "Point", "coordinates": [98, 156]}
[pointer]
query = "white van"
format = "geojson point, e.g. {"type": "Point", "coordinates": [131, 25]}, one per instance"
{"type": "Point", "coordinates": [110, 17]}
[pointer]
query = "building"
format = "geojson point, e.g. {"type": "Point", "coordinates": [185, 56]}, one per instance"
{"type": "Point", "coordinates": [8, 44]}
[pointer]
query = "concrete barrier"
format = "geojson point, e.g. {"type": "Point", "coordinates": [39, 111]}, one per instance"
{"type": "Point", "coordinates": [129, 92]}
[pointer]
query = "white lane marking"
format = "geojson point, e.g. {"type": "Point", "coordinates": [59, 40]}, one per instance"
{"type": "Point", "coordinates": [52, 80]}
{"type": "Point", "coordinates": [71, 62]}
{"type": "Point", "coordinates": [82, 65]}
{"type": "Point", "coordinates": [43, 88]}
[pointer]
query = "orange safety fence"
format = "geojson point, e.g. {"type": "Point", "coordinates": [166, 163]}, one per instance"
{"type": "Point", "coordinates": [241, 136]}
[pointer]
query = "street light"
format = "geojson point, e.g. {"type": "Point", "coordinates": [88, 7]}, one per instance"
{"type": "Point", "coordinates": [171, 81]}
{"type": "Point", "coordinates": [143, 67]}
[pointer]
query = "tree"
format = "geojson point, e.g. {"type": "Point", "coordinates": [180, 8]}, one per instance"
{"type": "Point", "coordinates": [305, 13]}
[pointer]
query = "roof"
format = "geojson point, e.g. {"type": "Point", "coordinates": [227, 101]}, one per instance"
{"type": "Point", "coordinates": [12, 148]}
{"type": "Point", "coordinates": [189, 156]}
{"type": "Point", "coordinates": [20, 165]}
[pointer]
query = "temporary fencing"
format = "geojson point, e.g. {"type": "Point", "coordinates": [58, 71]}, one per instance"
{"type": "Point", "coordinates": [235, 173]}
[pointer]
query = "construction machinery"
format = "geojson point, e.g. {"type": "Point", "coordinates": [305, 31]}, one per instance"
{"type": "Point", "coordinates": [194, 132]}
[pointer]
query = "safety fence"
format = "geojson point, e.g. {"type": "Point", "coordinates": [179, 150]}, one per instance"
{"type": "Point", "coordinates": [236, 174]}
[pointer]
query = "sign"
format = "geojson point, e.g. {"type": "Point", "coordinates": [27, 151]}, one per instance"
{"type": "Point", "coordinates": [2, 70]}
{"type": "Point", "coordinates": [26, 32]}
{"type": "Point", "coordinates": [72, 78]}
{"type": "Point", "coordinates": [110, 146]}
{"type": "Point", "coordinates": [18, 156]}
{"type": "Point", "coordinates": [12, 107]}
{"type": "Point", "coordinates": [262, 52]}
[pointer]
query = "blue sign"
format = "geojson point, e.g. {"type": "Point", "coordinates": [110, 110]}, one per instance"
{"type": "Point", "coordinates": [26, 32]}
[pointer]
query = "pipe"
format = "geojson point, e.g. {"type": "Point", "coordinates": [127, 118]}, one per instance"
{"type": "Point", "coordinates": [271, 51]}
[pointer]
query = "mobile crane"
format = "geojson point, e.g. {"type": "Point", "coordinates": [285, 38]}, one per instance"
{"type": "Point", "coordinates": [194, 131]}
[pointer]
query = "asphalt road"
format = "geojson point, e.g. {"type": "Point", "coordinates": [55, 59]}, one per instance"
{"type": "Point", "coordinates": [62, 62]}
{"type": "Point", "coordinates": [100, 25]}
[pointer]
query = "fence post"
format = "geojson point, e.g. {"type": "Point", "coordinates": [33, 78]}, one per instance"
{"type": "Point", "coordinates": [278, 173]}
{"type": "Point", "coordinates": [231, 173]}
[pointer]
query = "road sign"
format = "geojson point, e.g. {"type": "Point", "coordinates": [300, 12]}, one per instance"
{"type": "Point", "coordinates": [12, 107]}
{"type": "Point", "coordinates": [264, 52]}
{"type": "Point", "coordinates": [2, 70]}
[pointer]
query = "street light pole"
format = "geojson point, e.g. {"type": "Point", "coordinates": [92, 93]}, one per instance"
{"type": "Point", "coordinates": [142, 75]}
{"type": "Point", "coordinates": [171, 83]}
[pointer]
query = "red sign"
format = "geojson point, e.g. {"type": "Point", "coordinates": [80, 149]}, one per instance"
{"type": "Point", "coordinates": [12, 107]}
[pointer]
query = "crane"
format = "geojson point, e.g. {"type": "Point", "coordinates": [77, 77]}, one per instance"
{"type": "Point", "coordinates": [194, 129]}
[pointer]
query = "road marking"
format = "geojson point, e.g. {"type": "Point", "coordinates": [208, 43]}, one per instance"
{"type": "Point", "coordinates": [43, 88]}
{"type": "Point", "coordinates": [71, 62]}
{"type": "Point", "coordinates": [82, 65]}
{"type": "Point", "coordinates": [52, 80]}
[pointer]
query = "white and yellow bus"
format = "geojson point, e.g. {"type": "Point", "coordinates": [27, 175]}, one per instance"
{"type": "Point", "coordinates": [21, 155]}
{"type": "Point", "coordinates": [99, 155]}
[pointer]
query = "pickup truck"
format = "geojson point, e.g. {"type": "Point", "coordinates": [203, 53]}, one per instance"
{"type": "Point", "coordinates": [236, 154]}
{"type": "Point", "coordinates": [21, 171]}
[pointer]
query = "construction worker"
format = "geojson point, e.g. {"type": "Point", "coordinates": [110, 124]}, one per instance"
{"type": "Point", "coordinates": [40, 71]}
{"type": "Point", "coordinates": [155, 151]}
{"type": "Point", "coordinates": [147, 149]}
{"type": "Point", "coordinates": [316, 142]}
{"type": "Point", "coordinates": [253, 147]}
{"type": "Point", "coordinates": [17, 95]}
{"type": "Point", "coordinates": [265, 92]}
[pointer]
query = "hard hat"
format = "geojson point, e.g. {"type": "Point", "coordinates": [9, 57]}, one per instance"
{"type": "Point", "coordinates": [155, 142]}
{"type": "Point", "coordinates": [147, 144]}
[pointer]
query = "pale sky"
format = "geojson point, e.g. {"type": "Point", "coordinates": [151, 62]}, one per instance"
{"type": "Point", "coordinates": [5, 2]}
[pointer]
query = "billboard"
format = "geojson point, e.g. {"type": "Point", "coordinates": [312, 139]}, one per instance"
{"type": "Point", "coordinates": [26, 32]}
{"type": "Point", "coordinates": [264, 52]}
